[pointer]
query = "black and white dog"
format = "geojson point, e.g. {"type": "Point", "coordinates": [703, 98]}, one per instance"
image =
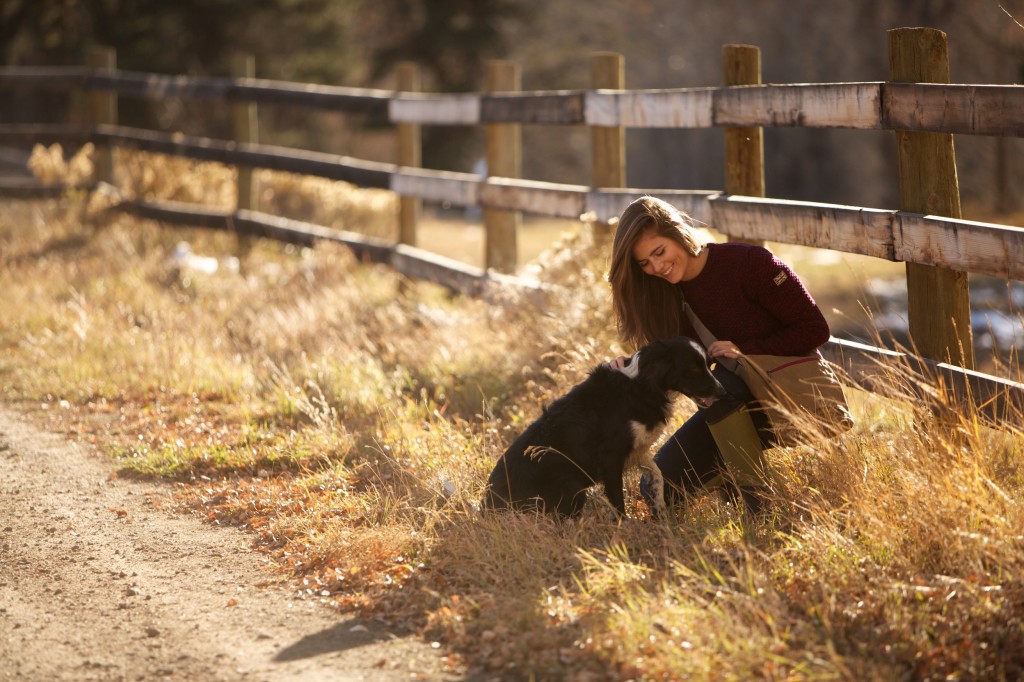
{"type": "Point", "coordinates": [599, 429]}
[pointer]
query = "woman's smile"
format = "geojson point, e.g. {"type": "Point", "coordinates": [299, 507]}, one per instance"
{"type": "Point", "coordinates": [662, 257]}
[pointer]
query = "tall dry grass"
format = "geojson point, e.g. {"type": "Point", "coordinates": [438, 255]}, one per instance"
{"type": "Point", "coordinates": [349, 420]}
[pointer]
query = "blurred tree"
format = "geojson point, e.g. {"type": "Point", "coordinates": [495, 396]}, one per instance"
{"type": "Point", "coordinates": [450, 41]}
{"type": "Point", "coordinates": [666, 43]}
{"type": "Point", "coordinates": [184, 36]}
{"type": "Point", "coordinates": [1004, 33]}
{"type": "Point", "coordinates": [304, 40]}
{"type": "Point", "coordinates": [352, 42]}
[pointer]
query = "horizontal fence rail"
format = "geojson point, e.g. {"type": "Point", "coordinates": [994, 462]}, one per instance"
{"type": "Point", "coordinates": [964, 245]}
{"type": "Point", "coordinates": [877, 369]}
{"type": "Point", "coordinates": [331, 166]}
{"type": "Point", "coordinates": [959, 109]}
{"type": "Point", "coordinates": [408, 260]}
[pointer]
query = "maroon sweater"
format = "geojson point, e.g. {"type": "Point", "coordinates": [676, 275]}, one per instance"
{"type": "Point", "coordinates": [746, 295]}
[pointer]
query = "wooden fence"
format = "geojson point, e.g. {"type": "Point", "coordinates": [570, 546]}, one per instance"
{"type": "Point", "coordinates": [928, 233]}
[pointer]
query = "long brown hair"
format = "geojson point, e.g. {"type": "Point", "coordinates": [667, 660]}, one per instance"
{"type": "Point", "coordinates": [647, 307]}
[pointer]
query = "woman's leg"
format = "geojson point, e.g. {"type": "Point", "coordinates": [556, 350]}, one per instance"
{"type": "Point", "coordinates": [690, 458]}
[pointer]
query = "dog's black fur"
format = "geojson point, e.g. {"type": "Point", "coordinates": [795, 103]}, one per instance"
{"type": "Point", "coordinates": [600, 428]}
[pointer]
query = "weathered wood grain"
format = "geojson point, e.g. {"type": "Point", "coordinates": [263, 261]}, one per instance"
{"type": "Point", "coordinates": [744, 145]}
{"type": "Point", "coordinates": [689, 108]}
{"type": "Point", "coordinates": [607, 143]}
{"type": "Point", "coordinates": [938, 298]}
{"type": "Point", "coordinates": [246, 130]}
{"type": "Point", "coordinates": [331, 166]}
{"type": "Point", "coordinates": [435, 109]}
{"type": "Point", "coordinates": [963, 245]}
{"type": "Point", "coordinates": [504, 145]}
{"type": "Point", "coordinates": [829, 105]}
{"type": "Point", "coordinates": [541, 108]}
{"type": "Point", "coordinates": [369, 101]}
{"type": "Point", "coordinates": [158, 86]}
{"type": "Point", "coordinates": [531, 196]}
{"type": "Point", "coordinates": [952, 108]}
{"type": "Point", "coordinates": [850, 229]}
{"type": "Point", "coordinates": [461, 189]}
{"type": "Point", "coordinates": [410, 154]}
{"type": "Point", "coordinates": [608, 204]}
{"type": "Point", "coordinates": [958, 109]}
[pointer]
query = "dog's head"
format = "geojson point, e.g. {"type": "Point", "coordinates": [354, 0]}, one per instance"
{"type": "Point", "coordinates": [679, 365]}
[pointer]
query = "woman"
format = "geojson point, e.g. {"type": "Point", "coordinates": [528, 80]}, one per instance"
{"type": "Point", "coordinates": [749, 301]}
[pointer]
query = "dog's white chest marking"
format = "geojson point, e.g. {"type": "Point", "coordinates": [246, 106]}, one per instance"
{"type": "Point", "coordinates": [643, 437]}
{"type": "Point", "coordinates": [640, 458]}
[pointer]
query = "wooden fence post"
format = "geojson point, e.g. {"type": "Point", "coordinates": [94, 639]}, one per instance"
{"type": "Point", "coordinates": [938, 299]}
{"type": "Point", "coordinates": [410, 153]}
{"type": "Point", "coordinates": [504, 159]}
{"type": "Point", "coordinates": [246, 131]}
{"type": "Point", "coordinates": [103, 111]}
{"type": "Point", "coordinates": [744, 147]}
{"type": "Point", "coordinates": [607, 143]}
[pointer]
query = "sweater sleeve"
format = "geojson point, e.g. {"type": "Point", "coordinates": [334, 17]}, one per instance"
{"type": "Point", "coordinates": [772, 285]}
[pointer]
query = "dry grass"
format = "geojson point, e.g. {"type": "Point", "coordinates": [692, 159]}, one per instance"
{"type": "Point", "coordinates": [349, 419]}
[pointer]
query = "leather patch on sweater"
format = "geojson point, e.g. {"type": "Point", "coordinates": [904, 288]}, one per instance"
{"type": "Point", "coordinates": [780, 278]}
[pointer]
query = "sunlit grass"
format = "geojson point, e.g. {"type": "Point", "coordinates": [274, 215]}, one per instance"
{"type": "Point", "coordinates": [349, 418]}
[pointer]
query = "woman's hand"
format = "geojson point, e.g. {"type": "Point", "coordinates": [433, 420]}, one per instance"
{"type": "Point", "coordinates": [619, 363]}
{"type": "Point", "coordinates": [724, 349]}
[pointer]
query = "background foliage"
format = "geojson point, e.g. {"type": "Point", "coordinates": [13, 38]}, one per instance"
{"type": "Point", "coordinates": [666, 43]}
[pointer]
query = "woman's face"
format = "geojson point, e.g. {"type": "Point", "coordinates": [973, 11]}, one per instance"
{"type": "Point", "coordinates": [660, 256]}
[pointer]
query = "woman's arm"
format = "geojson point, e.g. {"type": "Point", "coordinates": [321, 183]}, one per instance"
{"type": "Point", "coordinates": [772, 285]}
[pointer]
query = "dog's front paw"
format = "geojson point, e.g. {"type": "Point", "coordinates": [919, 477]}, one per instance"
{"type": "Point", "coordinates": [652, 490]}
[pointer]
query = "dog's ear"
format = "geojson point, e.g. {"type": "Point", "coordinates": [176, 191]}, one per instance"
{"type": "Point", "coordinates": [678, 360]}
{"type": "Point", "coordinates": [658, 365]}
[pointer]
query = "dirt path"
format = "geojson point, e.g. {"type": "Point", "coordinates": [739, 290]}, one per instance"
{"type": "Point", "coordinates": [97, 582]}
